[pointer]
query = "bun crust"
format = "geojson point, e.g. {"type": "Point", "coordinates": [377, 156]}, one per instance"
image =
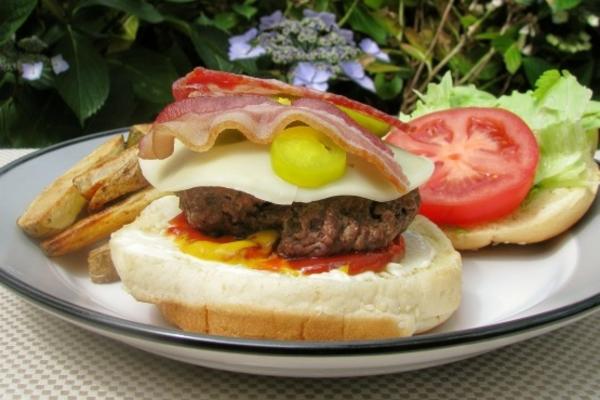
{"type": "Point", "coordinates": [215, 298]}
{"type": "Point", "coordinates": [547, 213]}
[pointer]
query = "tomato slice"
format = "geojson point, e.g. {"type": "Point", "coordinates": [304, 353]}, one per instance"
{"type": "Point", "coordinates": [485, 162]}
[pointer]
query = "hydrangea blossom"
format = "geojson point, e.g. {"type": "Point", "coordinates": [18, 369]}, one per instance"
{"type": "Point", "coordinates": [240, 47]}
{"type": "Point", "coordinates": [355, 71]}
{"type": "Point", "coordinates": [32, 71]}
{"type": "Point", "coordinates": [370, 47]}
{"type": "Point", "coordinates": [315, 48]}
{"type": "Point", "coordinates": [59, 65]}
{"type": "Point", "coordinates": [312, 76]}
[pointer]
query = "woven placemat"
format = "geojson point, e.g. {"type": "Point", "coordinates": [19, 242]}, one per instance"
{"type": "Point", "coordinates": [44, 357]}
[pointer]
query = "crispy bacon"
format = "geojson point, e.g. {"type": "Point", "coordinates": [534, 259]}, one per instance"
{"type": "Point", "coordinates": [206, 82]}
{"type": "Point", "coordinates": [197, 122]}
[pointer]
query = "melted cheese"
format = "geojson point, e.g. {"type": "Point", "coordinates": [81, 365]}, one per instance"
{"type": "Point", "coordinates": [246, 167]}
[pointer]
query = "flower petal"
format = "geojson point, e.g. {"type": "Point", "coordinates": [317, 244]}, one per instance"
{"type": "Point", "coordinates": [319, 86]}
{"type": "Point", "coordinates": [347, 34]}
{"type": "Point", "coordinates": [32, 71]}
{"type": "Point", "coordinates": [322, 75]}
{"type": "Point", "coordinates": [59, 65]}
{"type": "Point", "coordinates": [270, 21]}
{"type": "Point", "coordinates": [353, 69]}
{"type": "Point", "coordinates": [312, 76]}
{"type": "Point", "coordinates": [256, 51]}
{"type": "Point", "coordinates": [244, 37]}
{"type": "Point", "coordinates": [370, 47]}
{"type": "Point", "coordinates": [366, 83]}
{"type": "Point", "coordinates": [327, 18]}
{"type": "Point", "coordinates": [306, 71]}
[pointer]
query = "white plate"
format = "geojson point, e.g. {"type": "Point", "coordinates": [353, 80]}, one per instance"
{"type": "Point", "coordinates": [511, 293]}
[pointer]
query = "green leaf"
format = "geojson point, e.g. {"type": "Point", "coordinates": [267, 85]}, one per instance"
{"type": "Point", "coordinates": [534, 67]}
{"type": "Point", "coordinates": [150, 73]}
{"type": "Point", "coordinates": [374, 4]}
{"type": "Point", "coordinates": [225, 21]}
{"type": "Point", "coordinates": [13, 14]}
{"type": "Point", "coordinates": [512, 58]}
{"type": "Point", "coordinates": [502, 43]}
{"type": "Point", "coordinates": [364, 22]}
{"type": "Point", "coordinates": [211, 46]}
{"type": "Point", "coordinates": [124, 41]}
{"type": "Point", "coordinates": [8, 119]}
{"type": "Point", "coordinates": [585, 72]}
{"type": "Point", "coordinates": [85, 85]}
{"type": "Point", "coordinates": [246, 10]}
{"type": "Point", "coordinates": [119, 107]}
{"type": "Point", "coordinates": [468, 20]}
{"type": "Point", "coordinates": [415, 53]}
{"type": "Point", "coordinates": [545, 83]}
{"type": "Point", "coordinates": [41, 119]}
{"type": "Point", "coordinates": [139, 8]}
{"type": "Point", "coordinates": [179, 59]}
{"type": "Point", "coordinates": [562, 5]}
{"type": "Point", "coordinates": [388, 89]}
{"type": "Point", "coordinates": [321, 5]}
{"type": "Point", "coordinates": [377, 67]}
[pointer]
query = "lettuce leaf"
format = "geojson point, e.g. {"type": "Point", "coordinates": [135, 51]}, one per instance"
{"type": "Point", "coordinates": [560, 112]}
{"type": "Point", "coordinates": [445, 95]}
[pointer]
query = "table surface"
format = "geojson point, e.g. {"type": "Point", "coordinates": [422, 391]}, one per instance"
{"type": "Point", "coordinates": [44, 357]}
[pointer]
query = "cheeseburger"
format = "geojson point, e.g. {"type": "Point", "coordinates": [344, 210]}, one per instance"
{"type": "Point", "coordinates": [290, 219]}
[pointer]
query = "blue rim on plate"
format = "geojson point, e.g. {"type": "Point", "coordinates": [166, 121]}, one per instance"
{"type": "Point", "coordinates": [271, 347]}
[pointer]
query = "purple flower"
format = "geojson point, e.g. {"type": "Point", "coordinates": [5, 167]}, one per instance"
{"type": "Point", "coordinates": [312, 76]}
{"type": "Point", "coordinates": [270, 21]}
{"type": "Point", "coordinates": [355, 71]}
{"type": "Point", "coordinates": [370, 47]}
{"type": "Point", "coordinates": [347, 34]}
{"type": "Point", "coordinates": [327, 18]}
{"type": "Point", "coordinates": [59, 65]}
{"type": "Point", "coordinates": [32, 71]}
{"type": "Point", "coordinates": [240, 47]}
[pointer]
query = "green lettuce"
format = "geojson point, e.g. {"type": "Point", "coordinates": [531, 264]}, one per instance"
{"type": "Point", "coordinates": [560, 112]}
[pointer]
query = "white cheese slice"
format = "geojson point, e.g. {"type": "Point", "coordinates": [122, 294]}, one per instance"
{"type": "Point", "coordinates": [246, 167]}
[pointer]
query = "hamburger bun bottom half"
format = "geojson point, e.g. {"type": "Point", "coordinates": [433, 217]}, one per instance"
{"type": "Point", "coordinates": [230, 300]}
{"type": "Point", "coordinates": [544, 214]}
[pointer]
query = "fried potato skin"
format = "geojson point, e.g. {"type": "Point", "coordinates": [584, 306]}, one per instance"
{"type": "Point", "coordinates": [60, 203]}
{"type": "Point", "coordinates": [100, 225]}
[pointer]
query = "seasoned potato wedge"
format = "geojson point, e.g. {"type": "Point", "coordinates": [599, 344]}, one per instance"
{"type": "Point", "coordinates": [100, 225]}
{"type": "Point", "coordinates": [136, 132]}
{"type": "Point", "coordinates": [100, 266]}
{"type": "Point", "coordinates": [111, 180]}
{"type": "Point", "coordinates": [59, 204]}
{"type": "Point", "coordinates": [128, 180]}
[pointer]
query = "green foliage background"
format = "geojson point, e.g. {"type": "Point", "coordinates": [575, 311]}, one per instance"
{"type": "Point", "coordinates": [124, 54]}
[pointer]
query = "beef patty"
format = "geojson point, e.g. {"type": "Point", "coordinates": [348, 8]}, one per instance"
{"type": "Point", "coordinates": [321, 228]}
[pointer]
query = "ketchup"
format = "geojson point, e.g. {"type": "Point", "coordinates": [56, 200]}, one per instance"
{"type": "Point", "coordinates": [262, 256]}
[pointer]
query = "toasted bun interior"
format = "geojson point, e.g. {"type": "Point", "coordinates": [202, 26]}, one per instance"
{"type": "Point", "coordinates": [220, 299]}
{"type": "Point", "coordinates": [543, 215]}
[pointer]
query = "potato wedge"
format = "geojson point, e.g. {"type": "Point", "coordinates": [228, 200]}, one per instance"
{"type": "Point", "coordinates": [100, 225]}
{"type": "Point", "coordinates": [59, 204]}
{"type": "Point", "coordinates": [136, 132]}
{"type": "Point", "coordinates": [111, 179]}
{"type": "Point", "coordinates": [100, 266]}
{"type": "Point", "coordinates": [129, 179]}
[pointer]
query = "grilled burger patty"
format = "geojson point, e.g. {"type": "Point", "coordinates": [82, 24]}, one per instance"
{"type": "Point", "coordinates": [321, 228]}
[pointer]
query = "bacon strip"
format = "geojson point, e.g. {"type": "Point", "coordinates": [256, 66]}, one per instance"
{"type": "Point", "coordinates": [198, 121]}
{"type": "Point", "coordinates": [206, 82]}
